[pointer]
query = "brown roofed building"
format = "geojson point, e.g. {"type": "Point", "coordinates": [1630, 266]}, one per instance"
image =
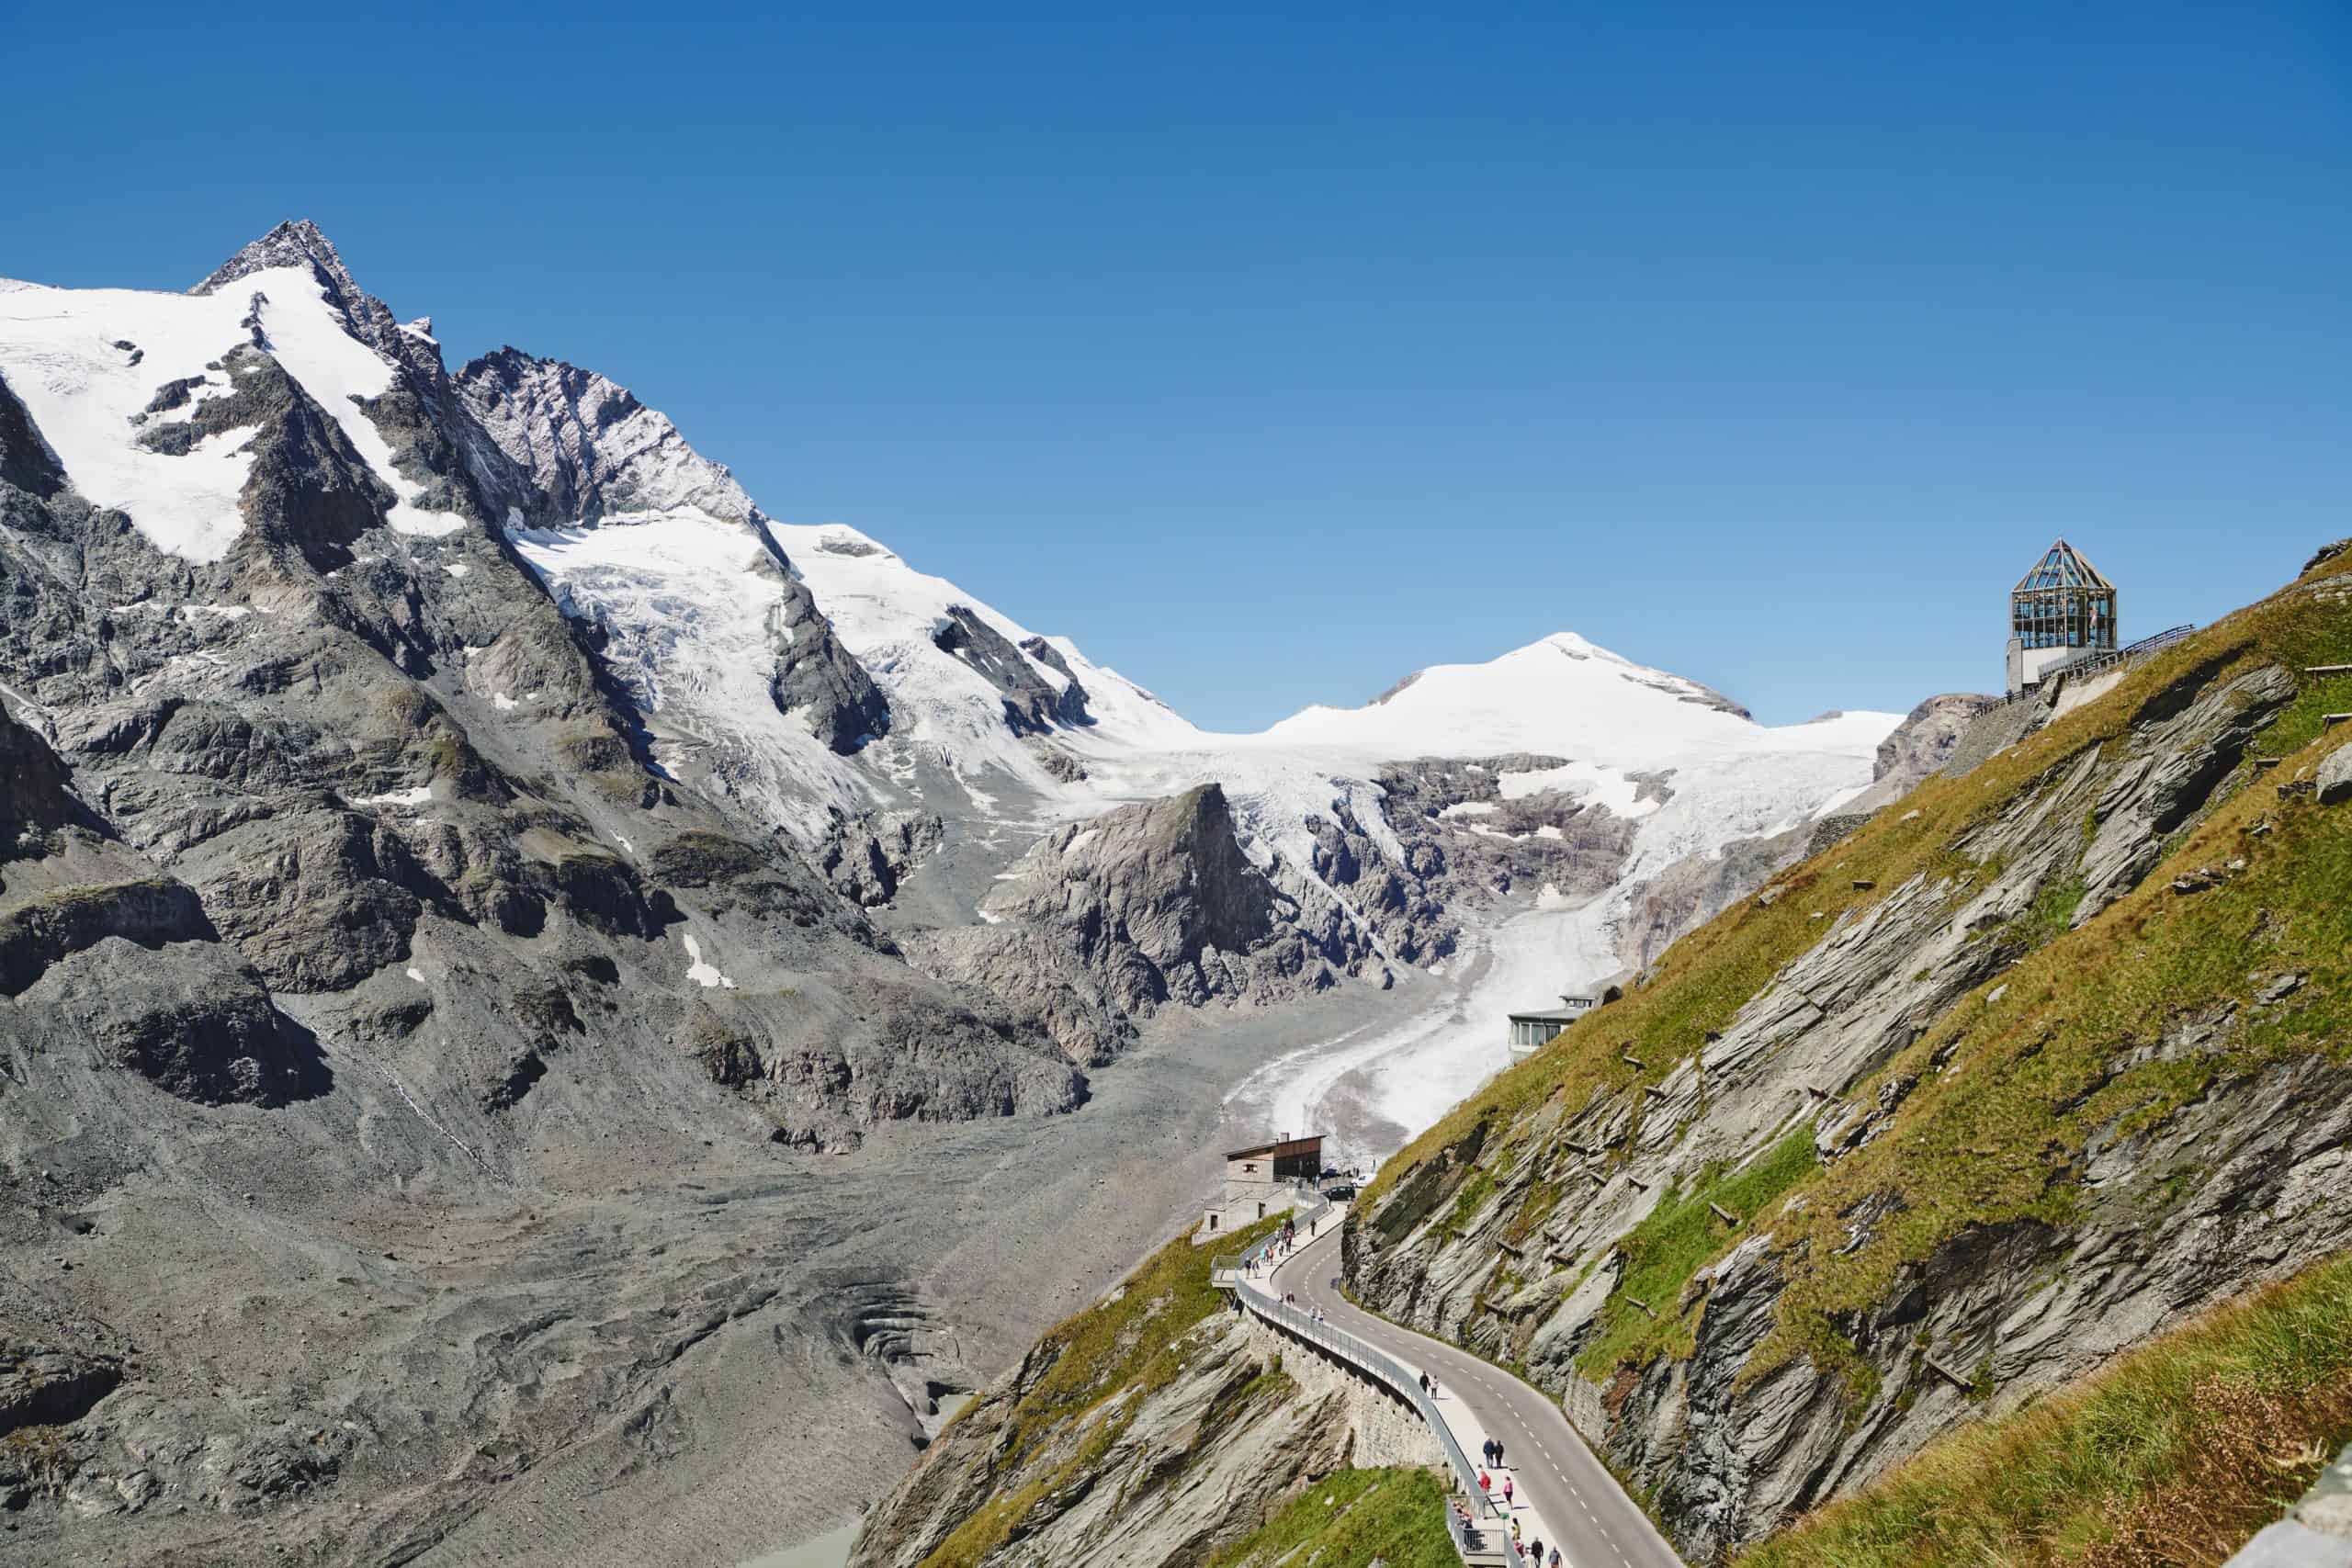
{"type": "Point", "coordinates": [1264, 1179]}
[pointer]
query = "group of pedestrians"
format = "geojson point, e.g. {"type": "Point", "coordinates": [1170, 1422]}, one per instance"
{"type": "Point", "coordinates": [1529, 1552]}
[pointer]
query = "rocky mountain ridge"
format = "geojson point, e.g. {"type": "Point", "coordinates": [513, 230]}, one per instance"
{"type": "Point", "coordinates": [2037, 1061]}
{"type": "Point", "coordinates": [461, 855]}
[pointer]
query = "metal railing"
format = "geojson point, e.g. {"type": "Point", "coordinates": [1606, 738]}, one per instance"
{"type": "Point", "coordinates": [1369, 1359]}
{"type": "Point", "coordinates": [2094, 661]}
{"type": "Point", "coordinates": [1225, 1268]}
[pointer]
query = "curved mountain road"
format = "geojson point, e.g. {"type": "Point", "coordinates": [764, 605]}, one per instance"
{"type": "Point", "coordinates": [1564, 1496]}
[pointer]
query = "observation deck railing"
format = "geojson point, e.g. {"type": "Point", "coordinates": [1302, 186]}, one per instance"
{"type": "Point", "coordinates": [2092, 661]}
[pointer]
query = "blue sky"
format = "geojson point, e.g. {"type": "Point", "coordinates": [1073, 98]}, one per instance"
{"type": "Point", "coordinates": [1271, 356]}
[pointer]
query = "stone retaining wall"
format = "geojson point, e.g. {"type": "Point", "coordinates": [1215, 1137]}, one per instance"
{"type": "Point", "coordinates": [1388, 1431]}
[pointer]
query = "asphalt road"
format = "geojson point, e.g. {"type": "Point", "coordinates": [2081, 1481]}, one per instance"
{"type": "Point", "coordinates": [1564, 1496]}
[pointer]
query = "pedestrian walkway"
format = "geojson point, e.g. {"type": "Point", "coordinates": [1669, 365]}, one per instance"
{"type": "Point", "coordinates": [1563, 1496]}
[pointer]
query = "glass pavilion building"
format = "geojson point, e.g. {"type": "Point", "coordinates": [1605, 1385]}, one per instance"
{"type": "Point", "coordinates": [2061, 611]}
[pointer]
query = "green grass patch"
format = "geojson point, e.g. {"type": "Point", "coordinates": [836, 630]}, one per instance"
{"type": "Point", "coordinates": [1353, 1519]}
{"type": "Point", "coordinates": [2172, 1454]}
{"type": "Point", "coordinates": [1477, 1188]}
{"type": "Point", "coordinates": [1673, 1242]}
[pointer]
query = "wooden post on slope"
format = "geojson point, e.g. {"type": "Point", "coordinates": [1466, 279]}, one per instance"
{"type": "Point", "coordinates": [1954, 1378]}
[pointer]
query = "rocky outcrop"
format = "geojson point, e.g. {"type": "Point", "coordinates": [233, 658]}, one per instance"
{"type": "Point", "coordinates": [1032, 703]}
{"type": "Point", "coordinates": [1153, 1475]}
{"type": "Point", "coordinates": [338, 888]}
{"type": "Point", "coordinates": [1924, 741]}
{"type": "Point", "coordinates": [598, 456]}
{"type": "Point", "coordinates": [867, 857]}
{"type": "Point", "coordinates": [1105, 921]}
{"type": "Point", "coordinates": [1447, 841]}
{"type": "Point", "coordinates": [1916, 1032]}
{"type": "Point", "coordinates": [1071, 707]}
{"type": "Point", "coordinates": [27, 464]}
{"type": "Point", "coordinates": [2335, 778]}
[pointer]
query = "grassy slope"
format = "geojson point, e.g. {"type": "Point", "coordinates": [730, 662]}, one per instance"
{"type": "Point", "coordinates": [2172, 1455]}
{"type": "Point", "coordinates": [1353, 1519]}
{"type": "Point", "coordinates": [1123, 1342]}
{"type": "Point", "coordinates": [1993, 1135]}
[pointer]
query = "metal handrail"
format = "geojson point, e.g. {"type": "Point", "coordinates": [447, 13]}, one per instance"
{"type": "Point", "coordinates": [1380, 1364]}
{"type": "Point", "coordinates": [1234, 1262]}
{"type": "Point", "coordinates": [2094, 661]}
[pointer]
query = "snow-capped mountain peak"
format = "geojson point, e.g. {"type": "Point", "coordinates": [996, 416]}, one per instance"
{"type": "Point", "coordinates": [806, 672]}
{"type": "Point", "coordinates": [118, 381]}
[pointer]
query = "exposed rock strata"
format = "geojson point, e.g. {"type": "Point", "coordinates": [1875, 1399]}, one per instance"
{"type": "Point", "coordinates": [1031, 705]}
{"type": "Point", "coordinates": [1194, 1465]}
{"type": "Point", "coordinates": [2246, 1179]}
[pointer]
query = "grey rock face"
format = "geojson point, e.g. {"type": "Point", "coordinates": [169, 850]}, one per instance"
{"type": "Point", "coordinates": [333, 874]}
{"type": "Point", "coordinates": [2183, 740]}
{"type": "Point", "coordinates": [595, 454]}
{"type": "Point", "coordinates": [299, 243]}
{"type": "Point", "coordinates": [1924, 742]}
{"type": "Point", "coordinates": [866, 858]}
{"type": "Point", "coordinates": [189, 1017]}
{"type": "Point", "coordinates": [420, 415]}
{"type": "Point", "coordinates": [817, 678]}
{"type": "Point", "coordinates": [1105, 921]}
{"type": "Point", "coordinates": [2335, 777]}
{"type": "Point", "coordinates": [2170, 1217]}
{"type": "Point", "coordinates": [1463, 844]}
{"type": "Point", "coordinates": [1031, 705]}
{"type": "Point", "coordinates": [1071, 707]}
{"type": "Point", "coordinates": [26, 462]}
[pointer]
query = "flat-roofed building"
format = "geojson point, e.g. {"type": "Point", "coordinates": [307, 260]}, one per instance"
{"type": "Point", "coordinates": [1530, 1032]}
{"type": "Point", "coordinates": [1265, 1178]}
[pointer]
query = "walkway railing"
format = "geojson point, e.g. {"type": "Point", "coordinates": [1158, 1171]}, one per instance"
{"type": "Point", "coordinates": [1229, 1268]}
{"type": "Point", "coordinates": [1363, 1357]}
{"type": "Point", "coordinates": [2092, 662]}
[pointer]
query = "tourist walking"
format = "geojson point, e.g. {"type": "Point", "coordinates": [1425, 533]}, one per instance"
{"type": "Point", "coordinates": [1485, 1484]}
{"type": "Point", "coordinates": [1498, 1453]}
{"type": "Point", "coordinates": [1507, 1491]}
